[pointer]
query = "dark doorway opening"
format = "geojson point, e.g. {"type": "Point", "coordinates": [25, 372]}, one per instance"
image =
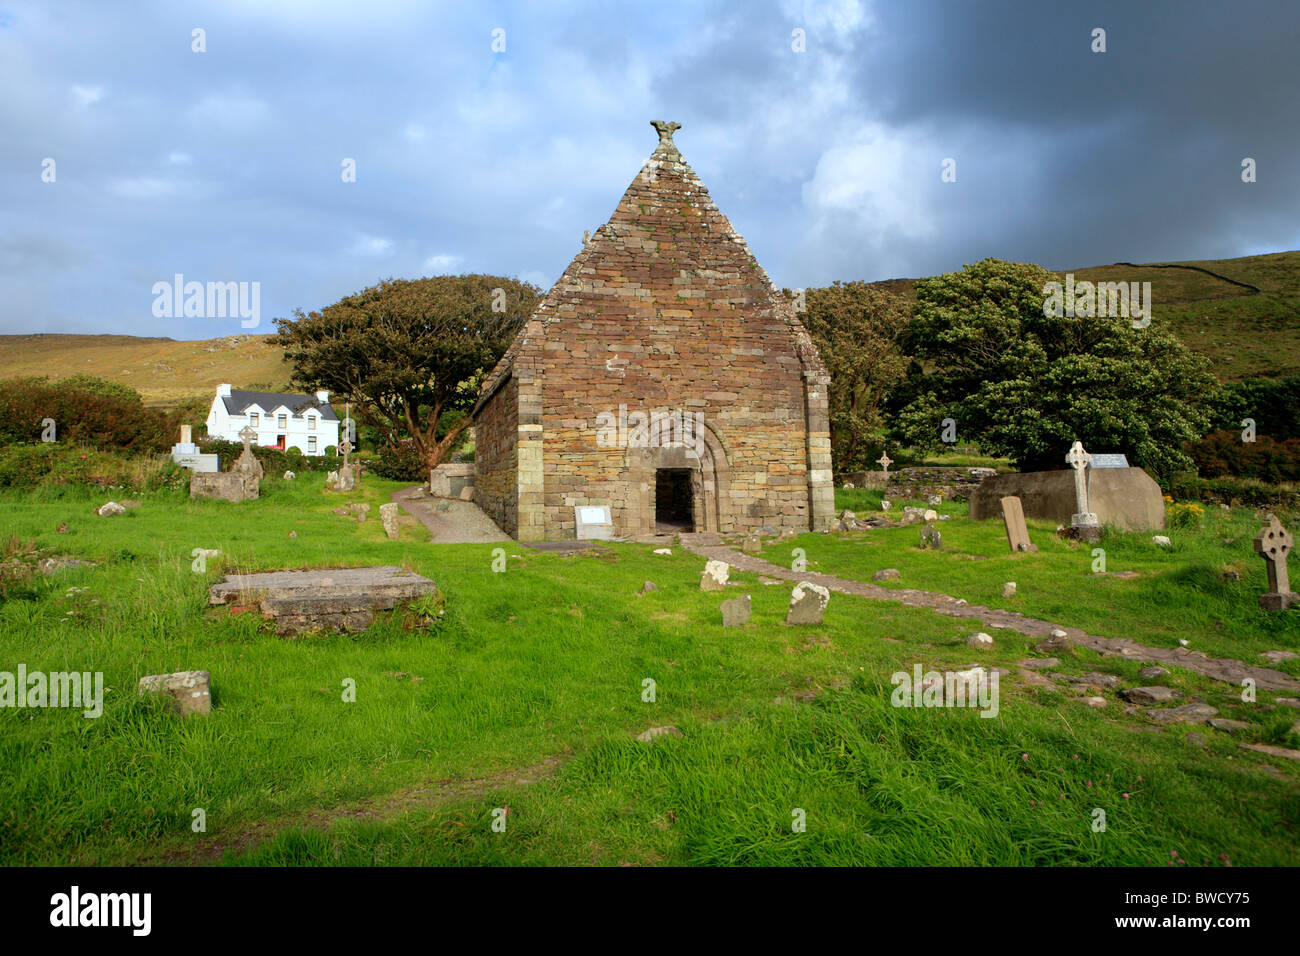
{"type": "Point", "coordinates": [674, 501]}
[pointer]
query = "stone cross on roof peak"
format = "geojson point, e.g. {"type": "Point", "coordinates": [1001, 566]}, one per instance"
{"type": "Point", "coordinates": [665, 131]}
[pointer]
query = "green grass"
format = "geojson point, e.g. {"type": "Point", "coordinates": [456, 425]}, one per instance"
{"type": "Point", "coordinates": [548, 660]}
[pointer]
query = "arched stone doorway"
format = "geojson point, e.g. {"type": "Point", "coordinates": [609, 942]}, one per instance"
{"type": "Point", "coordinates": [659, 474]}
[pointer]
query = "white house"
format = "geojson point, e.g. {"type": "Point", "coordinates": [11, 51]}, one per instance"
{"type": "Point", "coordinates": [305, 422]}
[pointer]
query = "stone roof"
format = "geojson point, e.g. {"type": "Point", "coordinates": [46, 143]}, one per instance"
{"type": "Point", "coordinates": [665, 238]}
{"type": "Point", "coordinates": [237, 403]}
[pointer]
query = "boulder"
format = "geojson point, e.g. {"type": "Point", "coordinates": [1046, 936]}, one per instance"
{"type": "Point", "coordinates": [110, 509]}
{"type": "Point", "coordinates": [189, 691]}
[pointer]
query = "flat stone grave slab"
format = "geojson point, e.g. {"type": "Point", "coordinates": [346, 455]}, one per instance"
{"type": "Point", "coordinates": [563, 547]}
{"type": "Point", "coordinates": [341, 598]}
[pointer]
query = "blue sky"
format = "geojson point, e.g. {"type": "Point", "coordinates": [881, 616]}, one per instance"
{"type": "Point", "coordinates": [226, 165]}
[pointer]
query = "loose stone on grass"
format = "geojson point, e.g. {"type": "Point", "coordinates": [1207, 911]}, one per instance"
{"type": "Point", "coordinates": [654, 733]}
{"type": "Point", "coordinates": [1151, 695]}
{"type": "Point", "coordinates": [887, 574]}
{"type": "Point", "coordinates": [1186, 714]}
{"type": "Point", "coordinates": [980, 641]}
{"type": "Point", "coordinates": [648, 586]}
{"type": "Point", "coordinates": [1151, 673]}
{"type": "Point", "coordinates": [735, 612]}
{"type": "Point", "coordinates": [189, 691]}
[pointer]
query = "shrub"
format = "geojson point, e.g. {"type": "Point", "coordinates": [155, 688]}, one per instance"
{"type": "Point", "coordinates": [1222, 454]}
{"type": "Point", "coordinates": [401, 464]}
{"type": "Point", "coordinates": [85, 411]}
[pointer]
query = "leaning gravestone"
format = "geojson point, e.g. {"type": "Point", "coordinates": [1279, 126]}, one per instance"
{"type": "Point", "coordinates": [1013, 516]}
{"type": "Point", "coordinates": [807, 603]}
{"type": "Point", "coordinates": [1273, 544]}
{"type": "Point", "coordinates": [389, 516]}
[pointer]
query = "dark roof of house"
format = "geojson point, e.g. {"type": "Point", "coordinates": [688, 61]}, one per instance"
{"type": "Point", "coordinates": [237, 403]}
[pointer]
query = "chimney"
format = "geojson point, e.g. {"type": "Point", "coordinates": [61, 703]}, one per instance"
{"type": "Point", "coordinates": [223, 390]}
{"type": "Point", "coordinates": [323, 396]}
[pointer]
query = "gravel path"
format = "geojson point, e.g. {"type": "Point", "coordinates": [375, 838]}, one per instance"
{"type": "Point", "coordinates": [1217, 668]}
{"type": "Point", "coordinates": [463, 522]}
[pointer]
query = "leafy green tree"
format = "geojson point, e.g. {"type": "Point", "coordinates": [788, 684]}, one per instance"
{"type": "Point", "coordinates": [856, 329]}
{"type": "Point", "coordinates": [1025, 384]}
{"type": "Point", "coordinates": [409, 353]}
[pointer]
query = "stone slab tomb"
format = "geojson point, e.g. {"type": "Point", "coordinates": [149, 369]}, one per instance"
{"type": "Point", "coordinates": [338, 598]}
{"type": "Point", "coordinates": [1127, 498]}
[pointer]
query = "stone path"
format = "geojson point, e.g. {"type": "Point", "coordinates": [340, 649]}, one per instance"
{"type": "Point", "coordinates": [463, 522]}
{"type": "Point", "coordinates": [1218, 668]}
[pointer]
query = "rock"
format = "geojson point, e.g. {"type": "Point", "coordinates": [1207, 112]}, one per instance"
{"type": "Point", "coordinates": [1289, 701]}
{"type": "Point", "coordinates": [388, 514]}
{"type": "Point", "coordinates": [1039, 663]}
{"type": "Point", "coordinates": [1034, 680]}
{"type": "Point", "coordinates": [847, 515]}
{"type": "Point", "coordinates": [1278, 656]}
{"type": "Point", "coordinates": [752, 545]}
{"type": "Point", "coordinates": [886, 504]}
{"type": "Point", "coordinates": [931, 539]}
{"type": "Point", "coordinates": [934, 501]}
{"type": "Point", "coordinates": [807, 603]}
{"type": "Point", "coordinates": [293, 534]}
{"type": "Point", "coordinates": [930, 515]}
{"type": "Point", "coordinates": [342, 512]}
{"type": "Point", "coordinates": [1151, 695]}
{"type": "Point", "coordinates": [110, 509]}
{"type": "Point", "coordinates": [735, 612]}
{"type": "Point", "coordinates": [714, 576]}
{"type": "Point", "coordinates": [1094, 701]}
{"type": "Point", "coordinates": [1059, 641]}
{"type": "Point", "coordinates": [1186, 714]}
{"type": "Point", "coordinates": [1228, 726]}
{"type": "Point", "coordinates": [48, 566]}
{"type": "Point", "coordinates": [1231, 574]}
{"type": "Point", "coordinates": [289, 476]}
{"type": "Point", "coordinates": [654, 733]}
{"type": "Point", "coordinates": [848, 485]}
{"type": "Point", "coordinates": [663, 550]}
{"type": "Point", "coordinates": [189, 690]}
{"type": "Point", "coordinates": [648, 586]}
{"type": "Point", "coordinates": [981, 472]}
{"type": "Point", "coordinates": [980, 641]}
{"type": "Point", "coordinates": [1161, 540]}
{"type": "Point", "coordinates": [61, 529]}
{"type": "Point", "coordinates": [1273, 751]}
{"type": "Point", "coordinates": [1094, 679]}
{"type": "Point", "coordinates": [1009, 589]}
{"type": "Point", "coordinates": [467, 493]}
{"type": "Point", "coordinates": [361, 511]}
{"type": "Point", "coordinates": [1150, 673]}
{"type": "Point", "coordinates": [1196, 740]}
{"type": "Point", "coordinates": [887, 574]}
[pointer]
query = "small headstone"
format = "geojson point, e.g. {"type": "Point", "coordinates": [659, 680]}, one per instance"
{"type": "Point", "coordinates": [886, 574]}
{"type": "Point", "coordinates": [1013, 517]}
{"type": "Point", "coordinates": [885, 504]}
{"type": "Point", "coordinates": [930, 515]}
{"type": "Point", "coordinates": [752, 545]}
{"type": "Point", "coordinates": [980, 641]}
{"type": "Point", "coordinates": [388, 514]}
{"type": "Point", "coordinates": [931, 539]}
{"type": "Point", "coordinates": [714, 577]}
{"type": "Point", "coordinates": [189, 690]}
{"type": "Point", "coordinates": [807, 603]}
{"type": "Point", "coordinates": [1273, 544]}
{"type": "Point", "coordinates": [934, 501]}
{"type": "Point", "coordinates": [1009, 589]}
{"type": "Point", "coordinates": [736, 611]}
{"type": "Point", "coordinates": [289, 476]}
{"type": "Point", "coordinates": [361, 511]}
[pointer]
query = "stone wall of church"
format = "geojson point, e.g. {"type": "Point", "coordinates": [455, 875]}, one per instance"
{"type": "Point", "coordinates": [496, 483]}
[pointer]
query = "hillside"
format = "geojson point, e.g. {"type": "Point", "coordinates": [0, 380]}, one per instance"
{"type": "Point", "coordinates": [1243, 314]}
{"type": "Point", "coordinates": [164, 371]}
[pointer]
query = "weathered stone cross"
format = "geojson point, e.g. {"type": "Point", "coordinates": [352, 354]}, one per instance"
{"type": "Point", "coordinates": [1078, 459]}
{"type": "Point", "coordinates": [1273, 544]}
{"type": "Point", "coordinates": [247, 434]}
{"type": "Point", "coordinates": [665, 131]}
{"type": "Point", "coordinates": [884, 461]}
{"type": "Point", "coordinates": [345, 446]}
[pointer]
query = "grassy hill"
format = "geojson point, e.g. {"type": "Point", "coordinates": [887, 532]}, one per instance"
{"type": "Point", "coordinates": [164, 371]}
{"type": "Point", "coordinates": [1243, 314]}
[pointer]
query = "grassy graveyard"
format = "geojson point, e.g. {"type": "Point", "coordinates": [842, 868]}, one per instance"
{"type": "Point", "coordinates": [523, 690]}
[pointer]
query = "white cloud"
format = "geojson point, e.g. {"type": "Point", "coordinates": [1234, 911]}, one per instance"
{"type": "Point", "coordinates": [372, 246]}
{"type": "Point", "coordinates": [87, 95]}
{"type": "Point", "coordinates": [441, 264]}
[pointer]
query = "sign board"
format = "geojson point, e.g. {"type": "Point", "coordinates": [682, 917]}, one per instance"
{"type": "Point", "coordinates": [1108, 461]}
{"type": "Point", "coordinates": [593, 522]}
{"type": "Point", "coordinates": [197, 463]}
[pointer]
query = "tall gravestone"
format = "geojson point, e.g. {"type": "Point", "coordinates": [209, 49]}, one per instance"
{"type": "Point", "coordinates": [1083, 521]}
{"type": "Point", "coordinates": [1013, 517]}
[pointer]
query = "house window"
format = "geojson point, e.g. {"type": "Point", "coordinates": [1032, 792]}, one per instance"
{"type": "Point", "coordinates": [311, 444]}
{"type": "Point", "coordinates": [311, 424]}
{"type": "Point", "coordinates": [253, 420]}
{"type": "Point", "coordinates": [281, 421]}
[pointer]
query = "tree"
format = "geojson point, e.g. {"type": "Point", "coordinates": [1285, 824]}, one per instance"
{"type": "Point", "coordinates": [408, 353]}
{"type": "Point", "coordinates": [1026, 384]}
{"type": "Point", "coordinates": [856, 329]}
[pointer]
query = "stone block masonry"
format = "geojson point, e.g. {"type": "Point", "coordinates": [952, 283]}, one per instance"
{"type": "Point", "coordinates": [664, 311]}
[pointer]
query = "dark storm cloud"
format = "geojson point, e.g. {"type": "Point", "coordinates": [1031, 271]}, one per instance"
{"type": "Point", "coordinates": [226, 165]}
